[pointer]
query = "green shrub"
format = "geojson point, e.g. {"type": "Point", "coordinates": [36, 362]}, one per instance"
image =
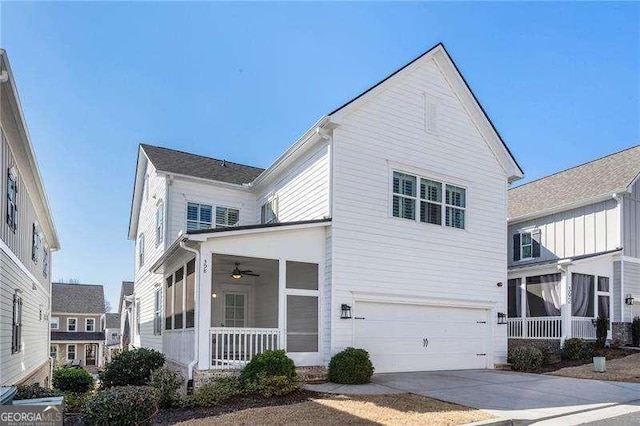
{"type": "Point", "coordinates": [121, 405]}
{"type": "Point", "coordinates": [573, 349]}
{"type": "Point", "coordinates": [351, 366]}
{"type": "Point", "coordinates": [635, 331]}
{"type": "Point", "coordinates": [268, 363]}
{"type": "Point", "coordinates": [268, 386]}
{"type": "Point", "coordinates": [167, 383]}
{"type": "Point", "coordinates": [525, 358]}
{"type": "Point", "coordinates": [215, 392]}
{"type": "Point", "coordinates": [73, 402]}
{"type": "Point", "coordinates": [602, 327]}
{"type": "Point", "coordinates": [131, 368]}
{"type": "Point", "coordinates": [35, 391]}
{"type": "Point", "coordinates": [75, 380]}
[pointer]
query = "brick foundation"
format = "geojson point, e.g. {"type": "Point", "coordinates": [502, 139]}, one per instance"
{"type": "Point", "coordinates": [621, 332]}
{"type": "Point", "coordinates": [41, 375]}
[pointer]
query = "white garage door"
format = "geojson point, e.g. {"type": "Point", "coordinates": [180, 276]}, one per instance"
{"type": "Point", "coordinates": [402, 337]}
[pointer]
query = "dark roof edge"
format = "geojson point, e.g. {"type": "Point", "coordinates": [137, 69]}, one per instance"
{"type": "Point", "coordinates": [259, 226]}
{"type": "Point", "coordinates": [142, 145]}
{"type": "Point", "coordinates": [578, 165]}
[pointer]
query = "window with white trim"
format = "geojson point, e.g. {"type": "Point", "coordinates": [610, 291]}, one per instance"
{"type": "Point", "coordinates": [45, 261]}
{"type": "Point", "coordinates": [434, 208]}
{"type": "Point", "coordinates": [199, 216]}
{"type": "Point", "coordinates": [53, 351]}
{"type": "Point", "coordinates": [269, 211]}
{"type": "Point", "coordinates": [72, 324]}
{"type": "Point", "coordinates": [226, 217]}
{"type": "Point", "coordinates": [141, 250]}
{"type": "Point", "coordinates": [71, 352]}
{"type": "Point", "coordinates": [55, 323]}
{"type": "Point", "coordinates": [526, 245]}
{"type": "Point", "coordinates": [90, 324]}
{"type": "Point", "coordinates": [157, 312]}
{"type": "Point", "coordinates": [159, 222]}
{"type": "Point", "coordinates": [138, 309]}
{"type": "Point", "coordinates": [35, 243]}
{"type": "Point", "coordinates": [12, 199]}
{"type": "Point", "coordinates": [16, 330]}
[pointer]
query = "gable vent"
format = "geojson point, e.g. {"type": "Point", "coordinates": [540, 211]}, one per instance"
{"type": "Point", "coordinates": [430, 114]}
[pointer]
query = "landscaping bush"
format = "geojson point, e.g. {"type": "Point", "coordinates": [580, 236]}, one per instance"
{"type": "Point", "coordinates": [121, 405]}
{"type": "Point", "coordinates": [167, 383]}
{"type": "Point", "coordinates": [635, 331]}
{"type": "Point", "coordinates": [525, 358]}
{"type": "Point", "coordinates": [268, 363]}
{"type": "Point", "coordinates": [573, 349]}
{"type": "Point", "coordinates": [215, 392]}
{"type": "Point", "coordinates": [268, 386]}
{"type": "Point", "coordinates": [73, 402]}
{"type": "Point", "coordinates": [75, 380]}
{"type": "Point", "coordinates": [602, 326]}
{"type": "Point", "coordinates": [351, 366]}
{"type": "Point", "coordinates": [34, 391]}
{"type": "Point", "coordinates": [131, 368]}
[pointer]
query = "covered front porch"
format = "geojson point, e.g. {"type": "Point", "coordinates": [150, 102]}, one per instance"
{"type": "Point", "coordinates": [560, 300]}
{"type": "Point", "coordinates": [229, 295]}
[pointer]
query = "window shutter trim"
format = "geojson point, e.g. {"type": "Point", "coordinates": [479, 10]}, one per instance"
{"type": "Point", "coordinates": [516, 246]}
{"type": "Point", "coordinates": [535, 242]}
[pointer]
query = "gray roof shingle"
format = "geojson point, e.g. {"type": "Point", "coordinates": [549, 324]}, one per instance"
{"type": "Point", "coordinates": [184, 163]}
{"type": "Point", "coordinates": [112, 320]}
{"type": "Point", "coordinates": [77, 298]}
{"type": "Point", "coordinates": [596, 178]}
{"type": "Point", "coordinates": [77, 335]}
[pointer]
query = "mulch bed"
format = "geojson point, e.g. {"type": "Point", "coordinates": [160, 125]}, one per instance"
{"type": "Point", "coordinates": [563, 363]}
{"type": "Point", "coordinates": [171, 416]}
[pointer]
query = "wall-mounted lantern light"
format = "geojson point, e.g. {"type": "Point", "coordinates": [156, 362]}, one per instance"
{"type": "Point", "coordinates": [629, 299]}
{"type": "Point", "coordinates": [499, 284]}
{"type": "Point", "coordinates": [345, 311]}
{"type": "Point", "coordinates": [502, 318]}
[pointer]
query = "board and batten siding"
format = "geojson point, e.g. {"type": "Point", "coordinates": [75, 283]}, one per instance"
{"type": "Point", "coordinates": [145, 281]}
{"type": "Point", "coordinates": [586, 230]}
{"type": "Point", "coordinates": [631, 214]}
{"type": "Point", "coordinates": [303, 191]}
{"type": "Point", "coordinates": [374, 252]}
{"type": "Point", "coordinates": [617, 286]}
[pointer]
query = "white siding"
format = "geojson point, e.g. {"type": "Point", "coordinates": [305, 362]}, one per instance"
{"type": "Point", "coordinates": [145, 281]}
{"type": "Point", "coordinates": [303, 191]}
{"type": "Point", "coordinates": [632, 222]}
{"type": "Point", "coordinates": [617, 286]}
{"type": "Point", "coordinates": [585, 230]}
{"type": "Point", "coordinates": [374, 252]}
{"type": "Point", "coordinates": [631, 277]}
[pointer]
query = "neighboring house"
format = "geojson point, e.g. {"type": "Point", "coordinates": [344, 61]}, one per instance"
{"type": "Point", "coordinates": [574, 244]}
{"type": "Point", "coordinates": [110, 325]}
{"type": "Point", "coordinates": [382, 227]}
{"type": "Point", "coordinates": [27, 238]}
{"type": "Point", "coordinates": [76, 337]}
{"type": "Point", "coordinates": [125, 309]}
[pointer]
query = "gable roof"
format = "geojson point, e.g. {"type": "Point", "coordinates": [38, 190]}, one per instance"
{"type": "Point", "coordinates": [112, 320]}
{"type": "Point", "coordinates": [77, 298]}
{"type": "Point", "coordinates": [462, 89]}
{"type": "Point", "coordinates": [578, 185]}
{"type": "Point", "coordinates": [183, 163]}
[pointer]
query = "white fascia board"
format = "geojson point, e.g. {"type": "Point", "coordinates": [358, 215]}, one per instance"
{"type": "Point", "coordinates": [136, 199]}
{"type": "Point", "coordinates": [236, 186]}
{"type": "Point", "coordinates": [206, 236]}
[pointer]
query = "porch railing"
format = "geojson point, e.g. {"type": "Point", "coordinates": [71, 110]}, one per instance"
{"type": "Point", "coordinates": [233, 348]}
{"type": "Point", "coordinates": [534, 328]}
{"type": "Point", "coordinates": [583, 328]}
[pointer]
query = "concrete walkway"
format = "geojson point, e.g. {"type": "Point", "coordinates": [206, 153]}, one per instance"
{"type": "Point", "coordinates": [516, 396]}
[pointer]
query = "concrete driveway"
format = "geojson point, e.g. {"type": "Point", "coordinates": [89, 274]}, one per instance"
{"type": "Point", "coordinates": [516, 396]}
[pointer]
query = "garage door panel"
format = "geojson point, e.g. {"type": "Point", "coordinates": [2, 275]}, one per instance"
{"type": "Point", "coordinates": [402, 337]}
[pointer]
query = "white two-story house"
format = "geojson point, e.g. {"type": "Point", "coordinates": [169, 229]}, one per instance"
{"type": "Point", "coordinates": [382, 227]}
{"type": "Point", "coordinates": [27, 238]}
{"type": "Point", "coordinates": [574, 251]}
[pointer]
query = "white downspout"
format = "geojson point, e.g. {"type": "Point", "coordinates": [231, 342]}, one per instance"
{"type": "Point", "coordinates": [196, 340]}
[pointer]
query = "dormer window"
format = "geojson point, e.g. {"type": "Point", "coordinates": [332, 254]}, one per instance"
{"type": "Point", "coordinates": [12, 199]}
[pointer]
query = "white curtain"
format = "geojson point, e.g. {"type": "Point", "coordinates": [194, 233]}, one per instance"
{"type": "Point", "coordinates": [550, 285]}
{"type": "Point", "coordinates": [581, 295]}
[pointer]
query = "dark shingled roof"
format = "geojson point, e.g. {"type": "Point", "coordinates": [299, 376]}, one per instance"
{"type": "Point", "coordinates": [77, 298]}
{"type": "Point", "coordinates": [184, 163]}
{"type": "Point", "coordinates": [596, 178]}
{"type": "Point", "coordinates": [112, 320]}
{"type": "Point", "coordinates": [125, 290]}
{"type": "Point", "coordinates": [77, 335]}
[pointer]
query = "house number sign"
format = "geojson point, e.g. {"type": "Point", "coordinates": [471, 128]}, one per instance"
{"type": "Point", "coordinates": [204, 266]}
{"type": "Point", "coordinates": [425, 342]}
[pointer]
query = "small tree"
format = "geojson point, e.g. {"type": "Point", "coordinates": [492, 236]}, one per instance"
{"type": "Point", "coordinates": [602, 326]}
{"type": "Point", "coordinates": [635, 331]}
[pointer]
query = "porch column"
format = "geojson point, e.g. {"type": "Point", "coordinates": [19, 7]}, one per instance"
{"type": "Point", "coordinates": [282, 302]}
{"type": "Point", "coordinates": [100, 354]}
{"type": "Point", "coordinates": [565, 305]}
{"type": "Point", "coordinates": [523, 307]}
{"type": "Point", "coordinates": [203, 310]}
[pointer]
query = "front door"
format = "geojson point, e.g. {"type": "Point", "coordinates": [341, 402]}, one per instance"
{"type": "Point", "coordinates": [235, 309]}
{"type": "Point", "coordinates": [90, 354]}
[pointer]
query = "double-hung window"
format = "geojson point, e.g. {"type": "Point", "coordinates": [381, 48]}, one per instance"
{"type": "Point", "coordinates": [12, 199]}
{"type": "Point", "coordinates": [526, 245]}
{"type": "Point", "coordinates": [226, 217]}
{"type": "Point", "coordinates": [71, 352]}
{"type": "Point", "coordinates": [35, 243]}
{"type": "Point", "coordinates": [16, 331]}
{"type": "Point", "coordinates": [157, 312]}
{"type": "Point", "coordinates": [138, 309]}
{"type": "Point", "coordinates": [404, 195]}
{"type": "Point", "coordinates": [55, 323]}
{"type": "Point", "coordinates": [269, 212]}
{"type": "Point", "coordinates": [45, 261]}
{"type": "Point", "coordinates": [440, 203]}
{"type": "Point", "coordinates": [141, 250]}
{"type": "Point", "coordinates": [198, 216]}
{"type": "Point", "coordinates": [72, 324]}
{"type": "Point", "coordinates": [159, 222]}
{"type": "Point", "coordinates": [90, 324]}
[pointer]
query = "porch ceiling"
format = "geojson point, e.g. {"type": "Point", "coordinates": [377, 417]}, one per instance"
{"type": "Point", "coordinates": [224, 264]}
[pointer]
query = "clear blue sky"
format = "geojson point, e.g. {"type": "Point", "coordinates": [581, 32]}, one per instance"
{"type": "Point", "coordinates": [242, 81]}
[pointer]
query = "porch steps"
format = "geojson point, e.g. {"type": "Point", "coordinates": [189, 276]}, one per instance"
{"type": "Point", "coordinates": [312, 375]}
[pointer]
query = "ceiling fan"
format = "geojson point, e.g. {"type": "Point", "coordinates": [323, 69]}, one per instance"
{"type": "Point", "coordinates": [238, 273]}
